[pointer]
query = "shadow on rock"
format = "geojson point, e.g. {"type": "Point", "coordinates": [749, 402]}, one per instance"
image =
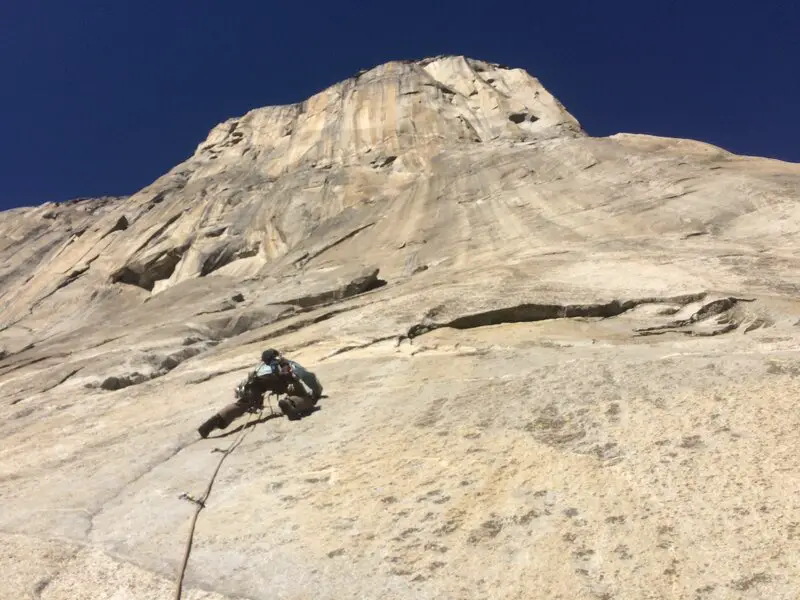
{"type": "Point", "coordinates": [263, 419]}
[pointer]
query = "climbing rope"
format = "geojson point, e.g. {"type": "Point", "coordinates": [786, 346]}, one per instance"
{"type": "Point", "coordinates": [200, 503]}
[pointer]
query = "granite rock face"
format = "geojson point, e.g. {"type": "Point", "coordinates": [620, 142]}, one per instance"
{"type": "Point", "coordinates": [557, 366]}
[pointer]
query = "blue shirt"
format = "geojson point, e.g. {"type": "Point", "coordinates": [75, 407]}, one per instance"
{"type": "Point", "coordinates": [264, 369]}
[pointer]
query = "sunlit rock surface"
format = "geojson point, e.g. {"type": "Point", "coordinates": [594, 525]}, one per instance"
{"type": "Point", "coordinates": [557, 366]}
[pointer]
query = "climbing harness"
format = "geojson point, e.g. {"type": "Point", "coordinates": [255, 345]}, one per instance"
{"type": "Point", "coordinates": [200, 503]}
{"type": "Point", "coordinates": [253, 408]}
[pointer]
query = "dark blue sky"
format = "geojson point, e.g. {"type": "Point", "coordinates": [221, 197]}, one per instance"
{"type": "Point", "coordinates": [101, 97]}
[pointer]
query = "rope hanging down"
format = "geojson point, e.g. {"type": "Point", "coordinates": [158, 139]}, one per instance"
{"type": "Point", "coordinates": [200, 503]}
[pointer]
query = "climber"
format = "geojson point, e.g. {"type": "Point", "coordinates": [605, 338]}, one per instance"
{"type": "Point", "coordinates": [274, 374]}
